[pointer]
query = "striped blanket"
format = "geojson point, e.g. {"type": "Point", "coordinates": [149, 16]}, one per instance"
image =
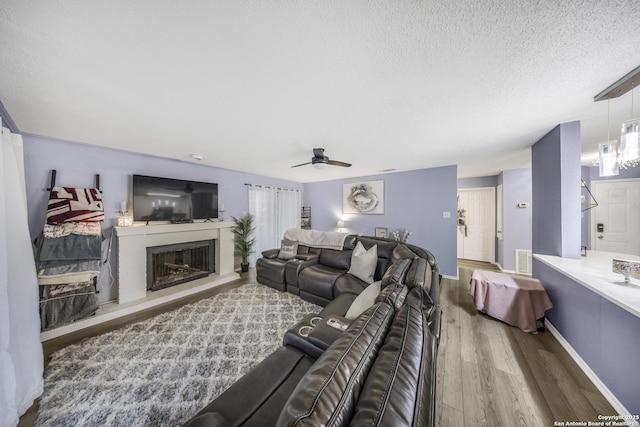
{"type": "Point", "coordinates": [67, 204]}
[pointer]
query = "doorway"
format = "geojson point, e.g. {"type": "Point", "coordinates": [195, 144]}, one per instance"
{"type": "Point", "coordinates": [615, 222]}
{"type": "Point", "coordinates": [476, 241]}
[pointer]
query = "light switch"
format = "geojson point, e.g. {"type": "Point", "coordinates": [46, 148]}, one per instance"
{"type": "Point", "coordinates": [446, 214]}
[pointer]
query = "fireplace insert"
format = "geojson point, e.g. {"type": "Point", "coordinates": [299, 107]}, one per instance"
{"type": "Point", "coordinates": [170, 265]}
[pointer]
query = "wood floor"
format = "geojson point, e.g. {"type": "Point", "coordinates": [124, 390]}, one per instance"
{"type": "Point", "coordinates": [489, 373]}
{"type": "Point", "coordinates": [493, 374]}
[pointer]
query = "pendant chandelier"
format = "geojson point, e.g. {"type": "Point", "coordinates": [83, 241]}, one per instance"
{"type": "Point", "coordinates": [613, 156]}
{"type": "Point", "coordinates": [608, 152]}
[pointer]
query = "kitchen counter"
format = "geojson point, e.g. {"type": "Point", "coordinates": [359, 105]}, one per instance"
{"type": "Point", "coordinates": [595, 273]}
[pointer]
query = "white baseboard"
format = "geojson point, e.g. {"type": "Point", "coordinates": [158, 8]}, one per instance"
{"type": "Point", "coordinates": [456, 277]}
{"type": "Point", "coordinates": [619, 407]}
{"type": "Point", "coordinates": [503, 270]}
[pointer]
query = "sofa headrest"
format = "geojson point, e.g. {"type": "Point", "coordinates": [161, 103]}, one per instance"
{"type": "Point", "coordinates": [419, 274]}
{"type": "Point", "coordinates": [336, 259]}
{"type": "Point", "coordinates": [350, 242]}
{"type": "Point", "coordinates": [401, 251]}
{"type": "Point", "coordinates": [385, 247]}
{"type": "Point", "coordinates": [401, 385]}
{"type": "Point", "coordinates": [396, 273]}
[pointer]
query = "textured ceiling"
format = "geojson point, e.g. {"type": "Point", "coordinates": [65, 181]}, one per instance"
{"type": "Point", "coordinates": [255, 85]}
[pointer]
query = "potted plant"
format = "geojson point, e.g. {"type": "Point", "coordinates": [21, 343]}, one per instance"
{"type": "Point", "coordinates": [244, 240]}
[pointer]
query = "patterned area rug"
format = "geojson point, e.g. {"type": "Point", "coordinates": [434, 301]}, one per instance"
{"type": "Point", "coordinates": [161, 371]}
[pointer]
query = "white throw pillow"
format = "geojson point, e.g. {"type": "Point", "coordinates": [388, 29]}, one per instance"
{"type": "Point", "coordinates": [364, 300]}
{"type": "Point", "coordinates": [363, 262]}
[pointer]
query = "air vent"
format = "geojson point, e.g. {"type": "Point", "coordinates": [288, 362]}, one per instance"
{"type": "Point", "coordinates": [523, 262]}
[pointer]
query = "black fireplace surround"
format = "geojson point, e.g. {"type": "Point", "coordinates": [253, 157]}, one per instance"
{"type": "Point", "coordinates": [170, 265]}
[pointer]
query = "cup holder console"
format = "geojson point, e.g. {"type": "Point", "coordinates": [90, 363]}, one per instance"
{"type": "Point", "coordinates": [307, 325]}
{"type": "Point", "coordinates": [314, 334]}
{"type": "Point", "coordinates": [305, 330]}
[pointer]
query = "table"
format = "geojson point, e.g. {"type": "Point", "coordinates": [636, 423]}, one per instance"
{"type": "Point", "coordinates": [516, 300]}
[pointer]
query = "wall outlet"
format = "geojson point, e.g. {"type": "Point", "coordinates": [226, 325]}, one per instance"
{"type": "Point", "coordinates": [446, 214]}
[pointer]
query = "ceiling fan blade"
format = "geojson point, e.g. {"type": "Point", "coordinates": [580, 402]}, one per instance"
{"type": "Point", "coordinates": [337, 163]}
{"type": "Point", "coordinates": [301, 164]}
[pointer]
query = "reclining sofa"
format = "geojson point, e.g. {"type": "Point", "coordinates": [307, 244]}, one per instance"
{"type": "Point", "coordinates": [377, 368]}
{"type": "Point", "coordinates": [321, 274]}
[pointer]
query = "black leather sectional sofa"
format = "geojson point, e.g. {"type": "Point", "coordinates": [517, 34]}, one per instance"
{"type": "Point", "coordinates": [378, 369]}
{"type": "Point", "coordinates": [319, 275]}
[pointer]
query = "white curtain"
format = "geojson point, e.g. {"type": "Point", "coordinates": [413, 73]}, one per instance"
{"type": "Point", "coordinates": [21, 358]}
{"type": "Point", "coordinates": [275, 210]}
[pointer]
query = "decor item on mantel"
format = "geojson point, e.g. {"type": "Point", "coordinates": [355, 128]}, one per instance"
{"type": "Point", "coordinates": [628, 268]}
{"type": "Point", "coordinates": [244, 240]}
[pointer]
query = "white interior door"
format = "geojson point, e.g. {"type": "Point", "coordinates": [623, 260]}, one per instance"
{"type": "Point", "coordinates": [618, 214]}
{"type": "Point", "coordinates": [479, 242]}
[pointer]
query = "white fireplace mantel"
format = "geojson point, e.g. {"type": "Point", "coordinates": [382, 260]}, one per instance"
{"type": "Point", "coordinates": [134, 241]}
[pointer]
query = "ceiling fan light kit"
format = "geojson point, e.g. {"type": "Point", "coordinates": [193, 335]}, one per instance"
{"type": "Point", "coordinates": [320, 161]}
{"type": "Point", "coordinates": [320, 165]}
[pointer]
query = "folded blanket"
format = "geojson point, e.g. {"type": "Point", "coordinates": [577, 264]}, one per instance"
{"type": "Point", "coordinates": [56, 290]}
{"type": "Point", "coordinates": [60, 279]}
{"type": "Point", "coordinates": [68, 204]}
{"type": "Point", "coordinates": [73, 305]}
{"type": "Point", "coordinates": [69, 268]}
{"type": "Point", "coordinates": [316, 239]}
{"type": "Point", "coordinates": [80, 228]}
{"type": "Point", "coordinates": [71, 247]}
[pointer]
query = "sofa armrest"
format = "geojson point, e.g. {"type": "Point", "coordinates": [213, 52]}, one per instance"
{"type": "Point", "coordinates": [349, 284]}
{"type": "Point", "coordinates": [271, 253]}
{"type": "Point", "coordinates": [308, 257]}
{"type": "Point", "coordinates": [209, 419]}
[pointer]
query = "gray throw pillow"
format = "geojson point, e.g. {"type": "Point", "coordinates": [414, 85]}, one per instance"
{"type": "Point", "coordinates": [288, 249]}
{"type": "Point", "coordinates": [364, 300]}
{"type": "Point", "coordinates": [363, 262]}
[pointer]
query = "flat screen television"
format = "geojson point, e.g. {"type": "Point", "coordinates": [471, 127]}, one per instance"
{"type": "Point", "coordinates": [166, 199]}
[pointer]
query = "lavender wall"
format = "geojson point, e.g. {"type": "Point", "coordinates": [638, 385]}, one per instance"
{"type": "Point", "coordinates": [77, 165]}
{"type": "Point", "coordinates": [592, 325]}
{"type": "Point", "coordinates": [414, 201]}
{"type": "Point", "coordinates": [556, 192]}
{"type": "Point", "coordinates": [597, 329]}
{"type": "Point", "coordinates": [516, 222]}
{"type": "Point", "coordinates": [478, 182]}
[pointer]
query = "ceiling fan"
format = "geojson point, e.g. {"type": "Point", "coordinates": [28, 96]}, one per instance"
{"type": "Point", "coordinates": [320, 161]}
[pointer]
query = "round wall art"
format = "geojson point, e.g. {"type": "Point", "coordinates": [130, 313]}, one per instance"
{"type": "Point", "coordinates": [363, 197]}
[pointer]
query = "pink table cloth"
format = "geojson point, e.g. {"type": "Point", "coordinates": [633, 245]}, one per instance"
{"type": "Point", "coordinates": [516, 300]}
